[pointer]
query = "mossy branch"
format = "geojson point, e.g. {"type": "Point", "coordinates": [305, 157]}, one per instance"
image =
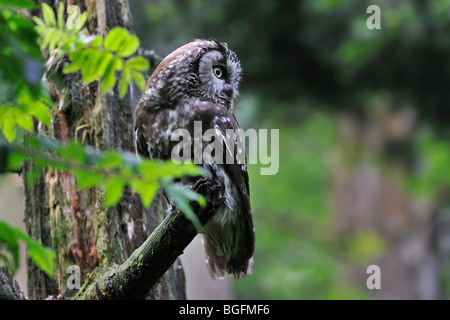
{"type": "Point", "coordinates": [139, 273]}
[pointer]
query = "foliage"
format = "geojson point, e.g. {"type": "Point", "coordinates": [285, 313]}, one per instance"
{"type": "Point", "coordinates": [26, 100]}
{"type": "Point", "coordinates": [112, 168]}
{"type": "Point", "coordinates": [181, 197]}
{"type": "Point", "coordinates": [22, 94]}
{"type": "Point", "coordinates": [96, 57]}
{"type": "Point", "coordinates": [9, 245]}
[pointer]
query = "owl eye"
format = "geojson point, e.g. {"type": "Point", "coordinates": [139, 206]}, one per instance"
{"type": "Point", "coordinates": [218, 72]}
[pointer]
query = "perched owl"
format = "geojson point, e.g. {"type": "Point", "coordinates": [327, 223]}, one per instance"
{"type": "Point", "coordinates": [197, 83]}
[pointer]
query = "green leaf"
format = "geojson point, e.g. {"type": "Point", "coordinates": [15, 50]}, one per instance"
{"type": "Point", "coordinates": [39, 22]}
{"type": "Point", "coordinates": [118, 64]}
{"type": "Point", "coordinates": [146, 190]}
{"type": "Point", "coordinates": [113, 190]}
{"type": "Point", "coordinates": [125, 80]}
{"type": "Point", "coordinates": [9, 131]}
{"type": "Point", "coordinates": [181, 197]}
{"type": "Point", "coordinates": [89, 69]}
{"type": "Point", "coordinates": [47, 37]}
{"type": "Point", "coordinates": [139, 79]}
{"type": "Point", "coordinates": [57, 38]}
{"type": "Point", "coordinates": [33, 174]}
{"type": "Point", "coordinates": [129, 46]}
{"type": "Point", "coordinates": [105, 59]}
{"type": "Point", "coordinates": [10, 116]}
{"type": "Point", "coordinates": [73, 151]}
{"type": "Point", "coordinates": [61, 21]}
{"type": "Point", "coordinates": [40, 142]}
{"type": "Point", "coordinates": [94, 40]}
{"type": "Point", "coordinates": [8, 237]}
{"type": "Point", "coordinates": [48, 15]}
{"type": "Point", "coordinates": [110, 160]}
{"type": "Point", "coordinates": [138, 63]}
{"type": "Point", "coordinates": [35, 108]}
{"type": "Point", "coordinates": [40, 112]}
{"type": "Point", "coordinates": [78, 59]}
{"type": "Point", "coordinates": [82, 20]}
{"type": "Point", "coordinates": [114, 38]}
{"type": "Point", "coordinates": [95, 65]}
{"type": "Point", "coordinates": [25, 4]}
{"type": "Point", "coordinates": [22, 119]}
{"type": "Point", "coordinates": [87, 179]}
{"type": "Point", "coordinates": [71, 68]}
{"type": "Point", "coordinates": [121, 41]}
{"type": "Point", "coordinates": [15, 161]}
{"type": "Point", "coordinates": [123, 87]}
{"type": "Point", "coordinates": [44, 258]}
{"type": "Point", "coordinates": [159, 169]}
{"type": "Point", "coordinates": [109, 77]}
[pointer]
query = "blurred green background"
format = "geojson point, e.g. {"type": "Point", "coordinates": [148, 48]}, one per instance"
{"type": "Point", "coordinates": [364, 122]}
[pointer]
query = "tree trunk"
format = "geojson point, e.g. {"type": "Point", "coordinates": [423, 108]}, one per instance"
{"type": "Point", "coordinates": [75, 223]}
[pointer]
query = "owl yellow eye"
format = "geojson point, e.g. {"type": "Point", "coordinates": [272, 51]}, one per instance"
{"type": "Point", "coordinates": [218, 72]}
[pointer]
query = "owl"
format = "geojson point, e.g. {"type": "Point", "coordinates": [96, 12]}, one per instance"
{"type": "Point", "coordinates": [197, 83]}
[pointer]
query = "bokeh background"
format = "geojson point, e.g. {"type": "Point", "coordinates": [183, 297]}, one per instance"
{"type": "Point", "coordinates": [364, 153]}
{"type": "Point", "coordinates": [364, 120]}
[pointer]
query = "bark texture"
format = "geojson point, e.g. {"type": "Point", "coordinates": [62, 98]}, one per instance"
{"type": "Point", "coordinates": [139, 273]}
{"type": "Point", "coordinates": [74, 223]}
{"type": "Point", "coordinates": [9, 288]}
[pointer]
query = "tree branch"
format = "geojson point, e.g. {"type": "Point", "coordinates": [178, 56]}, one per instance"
{"type": "Point", "coordinates": [137, 275]}
{"type": "Point", "coordinates": [9, 288]}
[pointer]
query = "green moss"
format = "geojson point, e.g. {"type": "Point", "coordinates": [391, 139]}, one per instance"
{"type": "Point", "coordinates": [109, 248]}
{"type": "Point", "coordinates": [89, 290]}
{"type": "Point", "coordinates": [60, 229]}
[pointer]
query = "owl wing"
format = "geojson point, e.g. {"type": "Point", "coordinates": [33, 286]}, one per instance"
{"type": "Point", "coordinates": [239, 175]}
{"type": "Point", "coordinates": [150, 126]}
{"type": "Point", "coordinates": [216, 117]}
{"type": "Point", "coordinates": [238, 172]}
{"type": "Point", "coordinates": [153, 130]}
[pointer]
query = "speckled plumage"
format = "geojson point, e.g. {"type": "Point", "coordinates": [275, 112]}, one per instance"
{"type": "Point", "coordinates": [184, 89]}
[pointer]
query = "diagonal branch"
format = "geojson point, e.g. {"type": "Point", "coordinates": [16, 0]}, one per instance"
{"type": "Point", "coordinates": [137, 275]}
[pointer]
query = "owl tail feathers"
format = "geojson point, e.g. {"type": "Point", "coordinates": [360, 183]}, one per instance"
{"type": "Point", "coordinates": [220, 266]}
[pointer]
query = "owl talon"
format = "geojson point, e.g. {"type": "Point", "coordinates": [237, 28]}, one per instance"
{"type": "Point", "coordinates": [211, 191]}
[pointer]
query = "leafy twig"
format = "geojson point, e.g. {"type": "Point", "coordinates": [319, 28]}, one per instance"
{"type": "Point", "coordinates": [112, 168]}
{"type": "Point", "coordinates": [137, 275]}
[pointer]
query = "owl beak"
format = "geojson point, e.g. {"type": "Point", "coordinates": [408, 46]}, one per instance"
{"type": "Point", "coordinates": [228, 90]}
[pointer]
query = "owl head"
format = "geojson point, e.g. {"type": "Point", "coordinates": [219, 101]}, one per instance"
{"type": "Point", "coordinates": [202, 69]}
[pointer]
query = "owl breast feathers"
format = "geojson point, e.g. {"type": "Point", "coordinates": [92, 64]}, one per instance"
{"type": "Point", "coordinates": [197, 83]}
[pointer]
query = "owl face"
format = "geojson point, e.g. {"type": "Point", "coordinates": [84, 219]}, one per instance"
{"type": "Point", "coordinates": [202, 69]}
